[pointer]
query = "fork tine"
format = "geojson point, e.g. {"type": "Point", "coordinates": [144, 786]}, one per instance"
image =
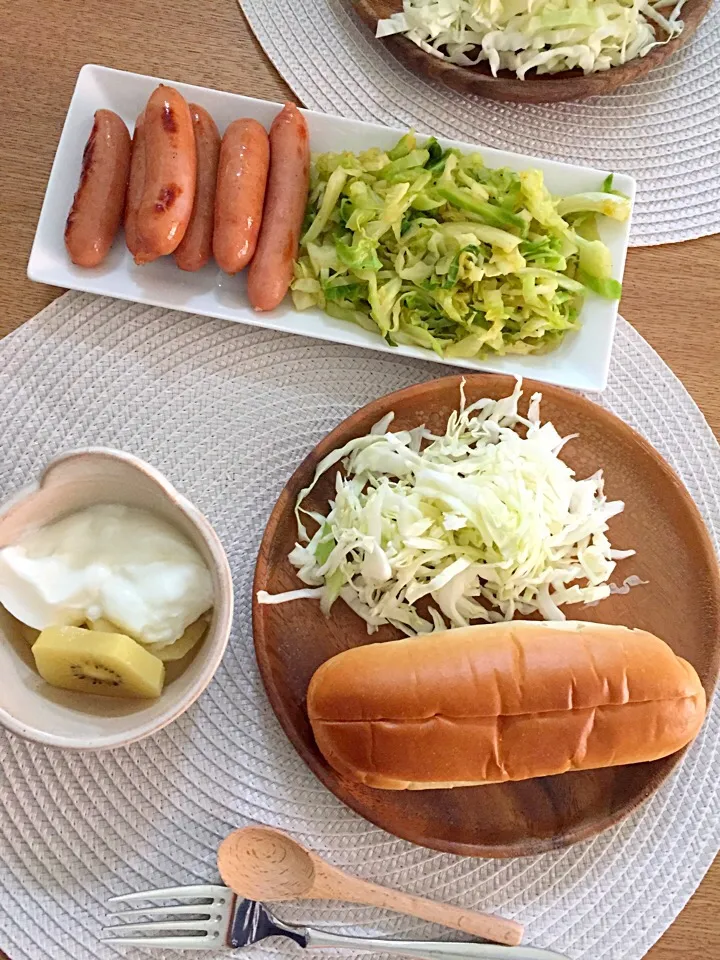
{"type": "Point", "coordinates": [198, 909]}
{"type": "Point", "coordinates": [201, 890]}
{"type": "Point", "coordinates": [131, 929]}
{"type": "Point", "coordinates": [176, 943]}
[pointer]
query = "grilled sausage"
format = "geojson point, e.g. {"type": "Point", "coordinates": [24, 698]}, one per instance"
{"type": "Point", "coordinates": [170, 175]}
{"type": "Point", "coordinates": [97, 208]}
{"type": "Point", "coordinates": [195, 249]}
{"type": "Point", "coordinates": [271, 269]}
{"type": "Point", "coordinates": [136, 185]}
{"type": "Point", "coordinates": [242, 176]}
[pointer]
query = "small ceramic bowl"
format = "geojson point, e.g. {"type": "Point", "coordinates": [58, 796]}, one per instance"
{"type": "Point", "coordinates": [61, 718]}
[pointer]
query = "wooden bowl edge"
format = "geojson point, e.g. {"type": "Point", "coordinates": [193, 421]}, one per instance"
{"type": "Point", "coordinates": [537, 89]}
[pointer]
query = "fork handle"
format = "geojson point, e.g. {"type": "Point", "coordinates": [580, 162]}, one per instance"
{"type": "Point", "coordinates": [429, 949]}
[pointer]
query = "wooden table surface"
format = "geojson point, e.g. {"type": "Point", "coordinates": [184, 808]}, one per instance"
{"type": "Point", "coordinates": [672, 293]}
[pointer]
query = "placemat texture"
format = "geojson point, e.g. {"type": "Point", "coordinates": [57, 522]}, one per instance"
{"type": "Point", "coordinates": [663, 130]}
{"type": "Point", "coordinates": [227, 411]}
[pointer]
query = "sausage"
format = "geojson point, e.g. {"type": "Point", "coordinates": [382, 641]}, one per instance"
{"type": "Point", "coordinates": [170, 174]}
{"type": "Point", "coordinates": [271, 269]}
{"type": "Point", "coordinates": [136, 184]}
{"type": "Point", "coordinates": [195, 249]}
{"type": "Point", "coordinates": [242, 176]}
{"type": "Point", "coordinates": [97, 208]}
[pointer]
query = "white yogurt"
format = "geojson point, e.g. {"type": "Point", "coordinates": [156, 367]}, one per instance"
{"type": "Point", "coordinates": [107, 561]}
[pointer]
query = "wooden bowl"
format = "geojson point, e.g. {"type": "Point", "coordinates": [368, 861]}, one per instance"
{"type": "Point", "coordinates": [681, 604]}
{"type": "Point", "coordinates": [543, 88]}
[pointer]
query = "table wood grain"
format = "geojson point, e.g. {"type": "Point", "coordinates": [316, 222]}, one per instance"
{"type": "Point", "coordinates": [672, 293]}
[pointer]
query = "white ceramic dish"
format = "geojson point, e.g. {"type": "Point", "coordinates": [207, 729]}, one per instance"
{"type": "Point", "coordinates": [62, 718]}
{"type": "Point", "coordinates": [580, 362]}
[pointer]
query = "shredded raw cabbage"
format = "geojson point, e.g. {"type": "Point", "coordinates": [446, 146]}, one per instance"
{"type": "Point", "coordinates": [429, 247]}
{"type": "Point", "coordinates": [484, 521]}
{"type": "Point", "coordinates": [543, 35]}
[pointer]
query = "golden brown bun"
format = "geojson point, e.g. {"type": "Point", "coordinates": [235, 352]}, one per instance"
{"type": "Point", "coordinates": [502, 702]}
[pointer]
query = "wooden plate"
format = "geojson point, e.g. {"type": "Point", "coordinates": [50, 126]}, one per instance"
{"type": "Point", "coordinates": [681, 603]}
{"type": "Point", "coordinates": [545, 88]}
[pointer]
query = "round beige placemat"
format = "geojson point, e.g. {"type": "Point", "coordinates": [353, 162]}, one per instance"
{"type": "Point", "coordinates": [227, 411]}
{"type": "Point", "coordinates": [664, 130]}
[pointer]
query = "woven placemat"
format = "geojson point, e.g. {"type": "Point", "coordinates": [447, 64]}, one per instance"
{"type": "Point", "coordinates": [664, 130]}
{"type": "Point", "coordinates": [227, 411]}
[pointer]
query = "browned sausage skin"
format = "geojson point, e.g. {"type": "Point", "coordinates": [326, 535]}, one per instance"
{"type": "Point", "coordinates": [195, 249]}
{"type": "Point", "coordinates": [136, 185]}
{"type": "Point", "coordinates": [241, 181]}
{"type": "Point", "coordinates": [170, 175]}
{"type": "Point", "coordinates": [97, 208]}
{"type": "Point", "coordinates": [271, 269]}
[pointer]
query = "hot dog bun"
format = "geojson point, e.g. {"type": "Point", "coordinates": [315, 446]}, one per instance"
{"type": "Point", "coordinates": [499, 702]}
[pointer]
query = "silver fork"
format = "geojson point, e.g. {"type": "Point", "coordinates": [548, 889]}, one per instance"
{"type": "Point", "coordinates": [223, 919]}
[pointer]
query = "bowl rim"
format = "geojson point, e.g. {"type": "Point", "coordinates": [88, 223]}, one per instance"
{"type": "Point", "coordinates": [223, 611]}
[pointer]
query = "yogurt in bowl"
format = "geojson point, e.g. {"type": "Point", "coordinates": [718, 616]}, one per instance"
{"type": "Point", "coordinates": [105, 543]}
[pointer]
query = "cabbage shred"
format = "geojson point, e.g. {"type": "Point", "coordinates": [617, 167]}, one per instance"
{"type": "Point", "coordinates": [547, 36]}
{"type": "Point", "coordinates": [484, 521]}
{"type": "Point", "coordinates": [429, 247]}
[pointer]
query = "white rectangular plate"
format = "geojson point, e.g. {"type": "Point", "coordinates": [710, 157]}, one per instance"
{"type": "Point", "coordinates": [581, 361]}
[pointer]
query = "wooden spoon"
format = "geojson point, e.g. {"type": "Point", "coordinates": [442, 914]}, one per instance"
{"type": "Point", "coordinates": [261, 863]}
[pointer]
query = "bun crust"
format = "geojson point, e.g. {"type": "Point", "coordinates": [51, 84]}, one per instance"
{"type": "Point", "coordinates": [499, 702]}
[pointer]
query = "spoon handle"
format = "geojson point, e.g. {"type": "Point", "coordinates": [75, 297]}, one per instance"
{"type": "Point", "coordinates": [487, 926]}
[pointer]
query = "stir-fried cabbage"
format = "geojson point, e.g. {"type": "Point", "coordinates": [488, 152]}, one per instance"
{"type": "Point", "coordinates": [543, 35]}
{"type": "Point", "coordinates": [483, 521]}
{"type": "Point", "coordinates": [430, 247]}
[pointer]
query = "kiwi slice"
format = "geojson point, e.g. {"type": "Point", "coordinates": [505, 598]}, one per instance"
{"type": "Point", "coordinates": [171, 651]}
{"type": "Point", "coordinates": [109, 664]}
{"type": "Point", "coordinates": [183, 645]}
{"type": "Point", "coordinates": [103, 626]}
